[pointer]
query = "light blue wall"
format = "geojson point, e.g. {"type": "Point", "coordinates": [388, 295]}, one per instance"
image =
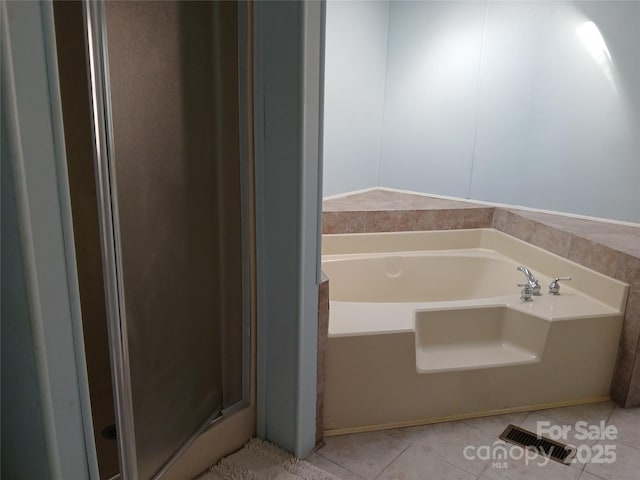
{"type": "Point", "coordinates": [553, 116]}
{"type": "Point", "coordinates": [356, 55]}
{"type": "Point", "coordinates": [49, 330]}
{"type": "Point", "coordinates": [431, 96]}
{"type": "Point", "coordinates": [503, 102]}
{"type": "Point", "coordinates": [24, 452]}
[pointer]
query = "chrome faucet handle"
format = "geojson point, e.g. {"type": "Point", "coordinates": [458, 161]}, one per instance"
{"type": "Point", "coordinates": [535, 289]}
{"type": "Point", "coordinates": [554, 286]}
{"type": "Point", "coordinates": [526, 292]}
{"type": "Point", "coordinates": [531, 280]}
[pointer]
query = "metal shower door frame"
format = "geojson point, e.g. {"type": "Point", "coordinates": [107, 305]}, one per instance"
{"type": "Point", "coordinates": [95, 26]}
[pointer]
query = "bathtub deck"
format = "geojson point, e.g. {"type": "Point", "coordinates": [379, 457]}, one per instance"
{"type": "Point", "coordinates": [434, 359]}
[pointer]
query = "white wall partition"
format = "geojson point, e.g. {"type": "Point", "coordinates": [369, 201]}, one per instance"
{"type": "Point", "coordinates": [288, 71]}
{"type": "Point", "coordinates": [527, 103]}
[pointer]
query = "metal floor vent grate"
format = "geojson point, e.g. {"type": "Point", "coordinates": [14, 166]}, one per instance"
{"type": "Point", "coordinates": [544, 446]}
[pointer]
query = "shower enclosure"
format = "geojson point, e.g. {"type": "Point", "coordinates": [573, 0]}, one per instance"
{"type": "Point", "coordinates": [168, 98]}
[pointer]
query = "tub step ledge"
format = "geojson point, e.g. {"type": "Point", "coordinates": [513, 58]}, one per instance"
{"type": "Point", "coordinates": [475, 338]}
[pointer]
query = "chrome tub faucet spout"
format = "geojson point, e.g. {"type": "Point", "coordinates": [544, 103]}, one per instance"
{"type": "Point", "coordinates": [531, 280]}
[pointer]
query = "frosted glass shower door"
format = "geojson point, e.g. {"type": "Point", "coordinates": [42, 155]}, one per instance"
{"type": "Point", "coordinates": [171, 83]}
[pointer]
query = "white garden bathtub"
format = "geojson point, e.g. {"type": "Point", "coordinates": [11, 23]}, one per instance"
{"type": "Point", "coordinates": [430, 325]}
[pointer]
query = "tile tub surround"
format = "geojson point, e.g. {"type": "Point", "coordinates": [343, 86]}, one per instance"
{"type": "Point", "coordinates": [609, 248]}
{"type": "Point", "coordinates": [384, 211]}
{"type": "Point", "coordinates": [323, 332]}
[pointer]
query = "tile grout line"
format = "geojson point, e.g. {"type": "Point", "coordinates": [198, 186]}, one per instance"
{"type": "Point", "coordinates": [461, 468]}
{"type": "Point", "coordinates": [486, 467]}
{"type": "Point", "coordinates": [623, 410]}
{"type": "Point", "coordinates": [593, 474]}
{"type": "Point", "coordinates": [394, 458]}
{"type": "Point", "coordinates": [341, 466]}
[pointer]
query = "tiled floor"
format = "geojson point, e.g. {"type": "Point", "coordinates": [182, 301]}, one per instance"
{"type": "Point", "coordinates": [438, 451]}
